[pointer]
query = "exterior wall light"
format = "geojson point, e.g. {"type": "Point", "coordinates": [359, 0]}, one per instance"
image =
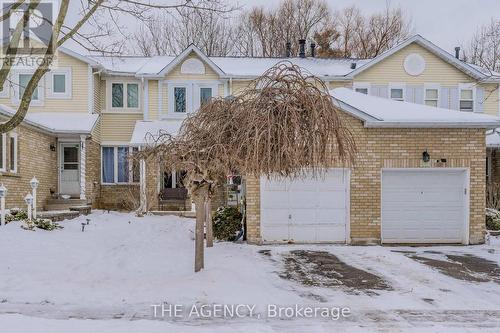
{"type": "Point", "coordinates": [34, 184]}
{"type": "Point", "coordinates": [426, 157]}
{"type": "Point", "coordinates": [29, 201]}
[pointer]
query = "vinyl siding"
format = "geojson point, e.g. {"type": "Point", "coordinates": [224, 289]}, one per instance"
{"type": "Point", "coordinates": [153, 100]}
{"type": "Point", "coordinates": [79, 94]}
{"type": "Point", "coordinates": [176, 74]}
{"type": "Point", "coordinates": [118, 127]}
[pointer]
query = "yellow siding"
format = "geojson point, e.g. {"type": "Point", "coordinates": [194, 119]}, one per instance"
{"type": "Point", "coordinates": [492, 97]}
{"type": "Point", "coordinates": [118, 127]}
{"type": "Point", "coordinates": [79, 95]}
{"type": "Point", "coordinates": [153, 100]}
{"type": "Point", "coordinates": [239, 86]}
{"type": "Point", "coordinates": [391, 70]}
{"type": "Point", "coordinates": [176, 74]}
{"type": "Point", "coordinates": [339, 84]}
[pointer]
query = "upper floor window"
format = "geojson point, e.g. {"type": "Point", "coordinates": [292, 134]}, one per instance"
{"type": "Point", "coordinates": [362, 87]}
{"type": "Point", "coordinates": [120, 90]}
{"type": "Point", "coordinates": [431, 96]}
{"type": "Point", "coordinates": [180, 99]}
{"type": "Point", "coordinates": [466, 102]}
{"type": "Point", "coordinates": [59, 83]}
{"type": "Point", "coordinates": [205, 95]}
{"type": "Point", "coordinates": [362, 90]}
{"type": "Point", "coordinates": [24, 79]}
{"type": "Point", "coordinates": [397, 94]}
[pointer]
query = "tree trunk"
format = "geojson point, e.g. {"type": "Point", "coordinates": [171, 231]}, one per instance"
{"type": "Point", "coordinates": [208, 212]}
{"type": "Point", "coordinates": [199, 232]}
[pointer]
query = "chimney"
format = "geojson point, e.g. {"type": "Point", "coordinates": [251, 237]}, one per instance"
{"type": "Point", "coordinates": [353, 65]}
{"type": "Point", "coordinates": [313, 50]}
{"type": "Point", "coordinates": [288, 48]}
{"type": "Point", "coordinates": [302, 48]}
{"type": "Point", "coordinates": [457, 52]}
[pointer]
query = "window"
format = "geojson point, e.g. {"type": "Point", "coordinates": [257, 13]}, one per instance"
{"type": "Point", "coordinates": [3, 152]}
{"type": "Point", "coordinates": [180, 99]}
{"type": "Point", "coordinates": [397, 94]}
{"type": "Point", "coordinates": [431, 96]}
{"type": "Point", "coordinates": [117, 95]}
{"type": "Point", "coordinates": [136, 171]}
{"type": "Point", "coordinates": [24, 79]}
{"type": "Point", "coordinates": [13, 152]}
{"type": "Point", "coordinates": [466, 99]}
{"type": "Point", "coordinates": [205, 95]}
{"type": "Point", "coordinates": [59, 83]}
{"type": "Point", "coordinates": [362, 90]}
{"type": "Point", "coordinates": [116, 166]}
{"type": "Point", "coordinates": [173, 179]}
{"type": "Point", "coordinates": [132, 95]}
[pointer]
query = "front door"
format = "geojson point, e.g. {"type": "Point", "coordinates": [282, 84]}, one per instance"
{"type": "Point", "coordinates": [70, 169]}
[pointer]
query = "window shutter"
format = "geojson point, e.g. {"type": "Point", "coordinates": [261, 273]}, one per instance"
{"type": "Point", "coordinates": [444, 95]}
{"type": "Point", "coordinates": [382, 91]}
{"type": "Point", "coordinates": [409, 94]}
{"type": "Point", "coordinates": [374, 90]}
{"type": "Point", "coordinates": [479, 101]}
{"type": "Point", "coordinates": [454, 98]}
{"type": "Point", "coordinates": [419, 94]}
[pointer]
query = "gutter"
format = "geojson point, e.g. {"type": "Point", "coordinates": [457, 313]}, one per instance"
{"type": "Point", "coordinates": [420, 124]}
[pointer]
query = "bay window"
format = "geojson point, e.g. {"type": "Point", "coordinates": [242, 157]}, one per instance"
{"type": "Point", "coordinates": [117, 168]}
{"type": "Point", "coordinates": [397, 94]}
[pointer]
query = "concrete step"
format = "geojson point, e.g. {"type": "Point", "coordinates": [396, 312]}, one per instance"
{"type": "Point", "coordinates": [74, 202]}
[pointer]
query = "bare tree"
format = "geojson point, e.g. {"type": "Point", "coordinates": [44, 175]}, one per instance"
{"type": "Point", "coordinates": [96, 17]}
{"type": "Point", "coordinates": [484, 47]}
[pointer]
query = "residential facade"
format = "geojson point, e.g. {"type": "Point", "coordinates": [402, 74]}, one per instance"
{"type": "Point", "coordinates": [119, 103]}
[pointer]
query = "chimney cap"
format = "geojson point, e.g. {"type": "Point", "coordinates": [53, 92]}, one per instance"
{"type": "Point", "coordinates": [302, 48]}
{"type": "Point", "coordinates": [353, 65]}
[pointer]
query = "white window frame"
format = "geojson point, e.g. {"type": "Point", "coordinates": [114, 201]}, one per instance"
{"type": "Point", "coordinates": [4, 153]}
{"type": "Point", "coordinates": [362, 85]}
{"type": "Point", "coordinates": [197, 92]}
{"type": "Point", "coordinates": [16, 99]}
{"type": "Point", "coordinates": [467, 86]}
{"type": "Point", "coordinates": [68, 86]}
{"type": "Point", "coordinates": [115, 166]}
{"type": "Point", "coordinates": [109, 92]}
{"type": "Point", "coordinates": [171, 100]}
{"type": "Point", "coordinates": [15, 157]}
{"type": "Point", "coordinates": [5, 93]}
{"type": "Point", "coordinates": [432, 86]}
{"type": "Point", "coordinates": [401, 86]}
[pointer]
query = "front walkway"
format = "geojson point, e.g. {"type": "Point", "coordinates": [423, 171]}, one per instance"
{"type": "Point", "coordinates": [121, 265]}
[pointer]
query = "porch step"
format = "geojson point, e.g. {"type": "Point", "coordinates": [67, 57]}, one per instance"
{"type": "Point", "coordinates": [64, 204]}
{"type": "Point", "coordinates": [179, 213]}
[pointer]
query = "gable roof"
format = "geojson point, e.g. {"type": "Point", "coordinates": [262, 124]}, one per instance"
{"type": "Point", "coordinates": [383, 112]}
{"type": "Point", "coordinates": [468, 69]}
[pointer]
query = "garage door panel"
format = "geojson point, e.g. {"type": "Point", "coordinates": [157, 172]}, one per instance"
{"type": "Point", "coordinates": [307, 210]}
{"type": "Point", "coordinates": [423, 206]}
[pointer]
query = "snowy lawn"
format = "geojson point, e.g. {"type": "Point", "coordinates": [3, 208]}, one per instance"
{"type": "Point", "coordinates": [107, 278]}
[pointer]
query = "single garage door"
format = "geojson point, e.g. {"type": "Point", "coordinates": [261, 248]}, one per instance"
{"type": "Point", "coordinates": [305, 210]}
{"type": "Point", "coordinates": [424, 206]}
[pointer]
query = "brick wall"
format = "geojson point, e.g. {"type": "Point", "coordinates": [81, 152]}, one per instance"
{"type": "Point", "coordinates": [34, 158]}
{"type": "Point", "coordinates": [397, 148]}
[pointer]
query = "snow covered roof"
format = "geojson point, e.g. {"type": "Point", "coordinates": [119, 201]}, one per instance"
{"type": "Point", "coordinates": [146, 131]}
{"type": "Point", "coordinates": [383, 112]}
{"type": "Point", "coordinates": [57, 122]}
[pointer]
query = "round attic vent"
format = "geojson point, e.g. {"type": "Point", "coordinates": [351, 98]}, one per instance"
{"type": "Point", "coordinates": [192, 66]}
{"type": "Point", "coordinates": [414, 64]}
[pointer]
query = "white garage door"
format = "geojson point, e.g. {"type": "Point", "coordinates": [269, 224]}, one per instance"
{"type": "Point", "coordinates": [305, 210]}
{"type": "Point", "coordinates": [424, 206]}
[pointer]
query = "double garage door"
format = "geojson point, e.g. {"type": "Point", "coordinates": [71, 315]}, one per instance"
{"type": "Point", "coordinates": [417, 206]}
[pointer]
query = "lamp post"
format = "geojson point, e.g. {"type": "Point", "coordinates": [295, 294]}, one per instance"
{"type": "Point", "coordinates": [34, 184]}
{"type": "Point", "coordinates": [3, 193]}
{"type": "Point", "coordinates": [29, 201]}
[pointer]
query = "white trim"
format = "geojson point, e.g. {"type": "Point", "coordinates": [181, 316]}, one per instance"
{"type": "Point", "coordinates": [436, 86]}
{"type": "Point", "coordinates": [184, 54]}
{"type": "Point", "coordinates": [160, 98]}
{"type": "Point", "coordinates": [465, 239]}
{"type": "Point", "coordinates": [91, 89]}
{"type": "Point", "coordinates": [16, 147]}
{"type": "Point", "coordinates": [83, 160]}
{"type": "Point", "coordinates": [362, 85]}
{"type": "Point", "coordinates": [4, 153]}
{"type": "Point", "coordinates": [16, 99]}
{"type": "Point", "coordinates": [5, 93]}
{"type": "Point", "coordinates": [396, 85]}
{"type": "Point", "coordinates": [467, 86]}
{"type": "Point", "coordinates": [145, 87]}
{"type": "Point", "coordinates": [67, 81]}
{"type": "Point", "coordinates": [124, 82]}
{"type": "Point", "coordinates": [171, 100]}
{"type": "Point", "coordinates": [214, 85]}
{"type": "Point", "coordinates": [436, 50]}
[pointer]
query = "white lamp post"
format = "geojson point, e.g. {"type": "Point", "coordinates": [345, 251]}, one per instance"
{"type": "Point", "coordinates": [3, 193]}
{"type": "Point", "coordinates": [29, 201]}
{"type": "Point", "coordinates": [34, 184]}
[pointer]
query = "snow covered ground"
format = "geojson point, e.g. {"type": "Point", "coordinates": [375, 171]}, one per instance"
{"type": "Point", "coordinates": [107, 278]}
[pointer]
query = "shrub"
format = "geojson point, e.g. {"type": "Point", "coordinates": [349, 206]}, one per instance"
{"type": "Point", "coordinates": [492, 219]}
{"type": "Point", "coordinates": [16, 215]}
{"type": "Point", "coordinates": [46, 224]}
{"type": "Point", "coordinates": [226, 223]}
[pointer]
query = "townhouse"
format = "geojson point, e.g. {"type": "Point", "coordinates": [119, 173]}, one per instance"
{"type": "Point", "coordinates": [419, 113]}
